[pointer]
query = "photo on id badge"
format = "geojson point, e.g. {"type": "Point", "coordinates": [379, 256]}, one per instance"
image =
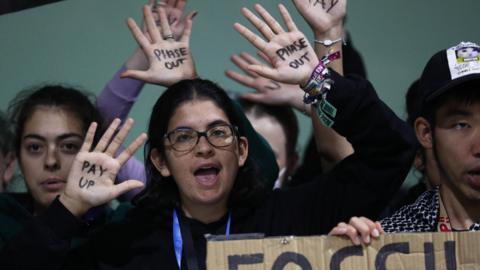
{"type": "Point", "coordinates": [468, 54]}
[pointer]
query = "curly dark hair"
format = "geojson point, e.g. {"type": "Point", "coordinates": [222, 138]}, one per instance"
{"type": "Point", "coordinates": [162, 192]}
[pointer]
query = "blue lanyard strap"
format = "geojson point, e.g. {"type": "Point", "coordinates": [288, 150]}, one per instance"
{"type": "Point", "coordinates": [178, 240]}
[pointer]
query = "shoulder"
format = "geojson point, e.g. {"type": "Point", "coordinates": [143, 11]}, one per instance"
{"type": "Point", "coordinates": [419, 216]}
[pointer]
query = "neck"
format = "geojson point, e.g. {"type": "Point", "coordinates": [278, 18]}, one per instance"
{"type": "Point", "coordinates": [461, 211]}
{"type": "Point", "coordinates": [204, 213]}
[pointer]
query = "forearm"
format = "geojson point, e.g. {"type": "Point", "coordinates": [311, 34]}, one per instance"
{"type": "Point", "coordinates": [118, 96]}
{"type": "Point", "coordinates": [330, 145]}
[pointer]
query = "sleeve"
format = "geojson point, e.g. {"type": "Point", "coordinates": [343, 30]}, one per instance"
{"type": "Point", "coordinates": [118, 96]}
{"type": "Point", "coordinates": [116, 100]}
{"type": "Point", "coordinates": [361, 184]}
{"type": "Point", "coordinates": [44, 241]}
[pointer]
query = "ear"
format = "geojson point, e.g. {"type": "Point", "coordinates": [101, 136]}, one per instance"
{"type": "Point", "coordinates": [242, 151]}
{"type": "Point", "coordinates": [159, 163]}
{"type": "Point", "coordinates": [9, 167]}
{"type": "Point", "coordinates": [424, 132]}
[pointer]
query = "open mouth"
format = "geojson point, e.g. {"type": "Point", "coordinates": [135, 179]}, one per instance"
{"type": "Point", "coordinates": [474, 178]}
{"type": "Point", "coordinates": [207, 175]}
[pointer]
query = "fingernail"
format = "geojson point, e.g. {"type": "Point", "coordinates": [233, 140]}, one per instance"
{"type": "Point", "coordinates": [375, 233]}
{"type": "Point", "coordinates": [366, 239]}
{"type": "Point", "coordinates": [356, 240]}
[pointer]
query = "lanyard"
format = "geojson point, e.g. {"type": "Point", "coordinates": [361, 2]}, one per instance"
{"type": "Point", "coordinates": [178, 239]}
{"type": "Point", "coordinates": [443, 219]}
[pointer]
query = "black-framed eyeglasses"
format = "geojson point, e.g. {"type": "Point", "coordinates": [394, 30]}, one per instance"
{"type": "Point", "coordinates": [185, 139]}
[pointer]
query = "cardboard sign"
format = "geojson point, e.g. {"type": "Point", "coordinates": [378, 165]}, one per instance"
{"type": "Point", "coordinates": [418, 251]}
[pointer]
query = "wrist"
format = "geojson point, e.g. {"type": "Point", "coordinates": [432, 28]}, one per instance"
{"type": "Point", "coordinates": [74, 206]}
{"type": "Point", "coordinates": [333, 33]}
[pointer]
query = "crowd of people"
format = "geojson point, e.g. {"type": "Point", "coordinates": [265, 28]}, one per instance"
{"type": "Point", "coordinates": [214, 164]}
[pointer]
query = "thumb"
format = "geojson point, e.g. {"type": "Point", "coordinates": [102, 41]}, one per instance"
{"type": "Point", "coordinates": [191, 15]}
{"type": "Point", "coordinates": [135, 74]}
{"type": "Point", "coordinates": [126, 186]}
{"type": "Point", "coordinates": [254, 97]}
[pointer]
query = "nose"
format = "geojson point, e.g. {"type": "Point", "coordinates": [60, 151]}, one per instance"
{"type": "Point", "coordinates": [203, 147]}
{"type": "Point", "coordinates": [51, 162]}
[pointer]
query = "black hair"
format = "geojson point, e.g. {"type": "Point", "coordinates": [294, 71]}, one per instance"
{"type": "Point", "coordinates": [77, 102]}
{"type": "Point", "coordinates": [466, 93]}
{"type": "Point", "coordinates": [6, 135]}
{"type": "Point", "coordinates": [413, 102]}
{"type": "Point", "coordinates": [162, 192]}
{"type": "Point", "coordinates": [284, 115]}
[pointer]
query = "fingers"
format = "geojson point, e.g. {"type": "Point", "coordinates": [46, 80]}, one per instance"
{"type": "Point", "coordinates": [251, 37]}
{"type": "Point", "coordinates": [135, 74]}
{"type": "Point", "coordinates": [264, 57]}
{"type": "Point", "coordinates": [187, 31]}
{"type": "Point", "coordinates": [125, 186]}
{"type": "Point", "coordinates": [249, 58]}
{"type": "Point", "coordinates": [287, 18]}
{"type": "Point", "coordinates": [107, 136]}
{"type": "Point", "coordinates": [243, 65]}
{"type": "Point", "coordinates": [264, 71]}
{"type": "Point", "coordinates": [259, 24]}
{"type": "Point", "coordinates": [240, 78]}
{"type": "Point", "coordinates": [359, 230]}
{"type": "Point", "coordinates": [137, 34]}
{"type": "Point", "coordinates": [272, 23]}
{"type": "Point", "coordinates": [365, 227]}
{"type": "Point", "coordinates": [255, 97]}
{"type": "Point", "coordinates": [171, 3]}
{"type": "Point", "coordinates": [152, 29]}
{"type": "Point", "coordinates": [166, 31]}
{"type": "Point", "coordinates": [181, 5]}
{"type": "Point", "coordinates": [87, 143]}
{"type": "Point", "coordinates": [119, 138]}
{"type": "Point", "coordinates": [131, 149]}
{"type": "Point", "coordinates": [191, 15]}
{"type": "Point", "coordinates": [379, 227]}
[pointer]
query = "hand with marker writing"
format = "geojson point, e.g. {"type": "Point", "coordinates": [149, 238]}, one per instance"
{"type": "Point", "coordinates": [359, 230]}
{"type": "Point", "coordinates": [292, 57]}
{"type": "Point", "coordinates": [323, 16]}
{"type": "Point", "coordinates": [174, 11]}
{"type": "Point", "coordinates": [169, 60]}
{"type": "Point", "coordinates": [268, 91]}
{"type": "Point", "coordinates": [92, 176]}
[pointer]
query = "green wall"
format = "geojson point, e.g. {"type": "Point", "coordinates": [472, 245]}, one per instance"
{"type": "Point", "coordinates": [83, 42]}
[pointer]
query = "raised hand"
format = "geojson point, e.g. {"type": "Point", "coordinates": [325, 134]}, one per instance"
{"type": "Point", "coordinates": [169, 60]}
{"type": "Point", "coordinates": [268, 91]}
{"type": "Point", "coordinates": [290, 53]}
{"type": "Point", "coordinates": [359, 230]}
{"type": "Point", "coordinates": [322, 15]}
{"type": "Point", "coordinates": [92, 176]}
{"type": "Point", "coordinates": [174, 10]}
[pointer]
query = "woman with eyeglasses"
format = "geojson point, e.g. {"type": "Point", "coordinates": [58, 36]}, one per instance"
{"type": "Point", "coordinates": [202, 179]}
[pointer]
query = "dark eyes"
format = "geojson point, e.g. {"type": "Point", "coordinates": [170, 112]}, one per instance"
{"type": "Point", "coordinates": [461, 125]}
{"type": "Point", "coordinates": [34, 148]}
{"type": "Point", "coordinates": [69, 148]}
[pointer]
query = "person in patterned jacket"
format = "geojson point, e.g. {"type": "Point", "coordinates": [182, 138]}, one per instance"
{"type": "Point", "coordinates": [448, 125]}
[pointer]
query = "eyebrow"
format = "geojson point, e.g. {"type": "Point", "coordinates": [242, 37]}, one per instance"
{"type": "Point", "coordinates": [210, 125]}
{"type": "Point", "coordinates": [60, 137]}
{"type": "Point", "coordinates": [457, 112]}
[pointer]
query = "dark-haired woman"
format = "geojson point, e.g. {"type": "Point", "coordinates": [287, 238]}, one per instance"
{"type": "Point", "coordinates": [203, 179]}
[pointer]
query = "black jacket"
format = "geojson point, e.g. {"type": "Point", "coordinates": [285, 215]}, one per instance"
{"type": "Point", "coordinates": [361, 185]}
